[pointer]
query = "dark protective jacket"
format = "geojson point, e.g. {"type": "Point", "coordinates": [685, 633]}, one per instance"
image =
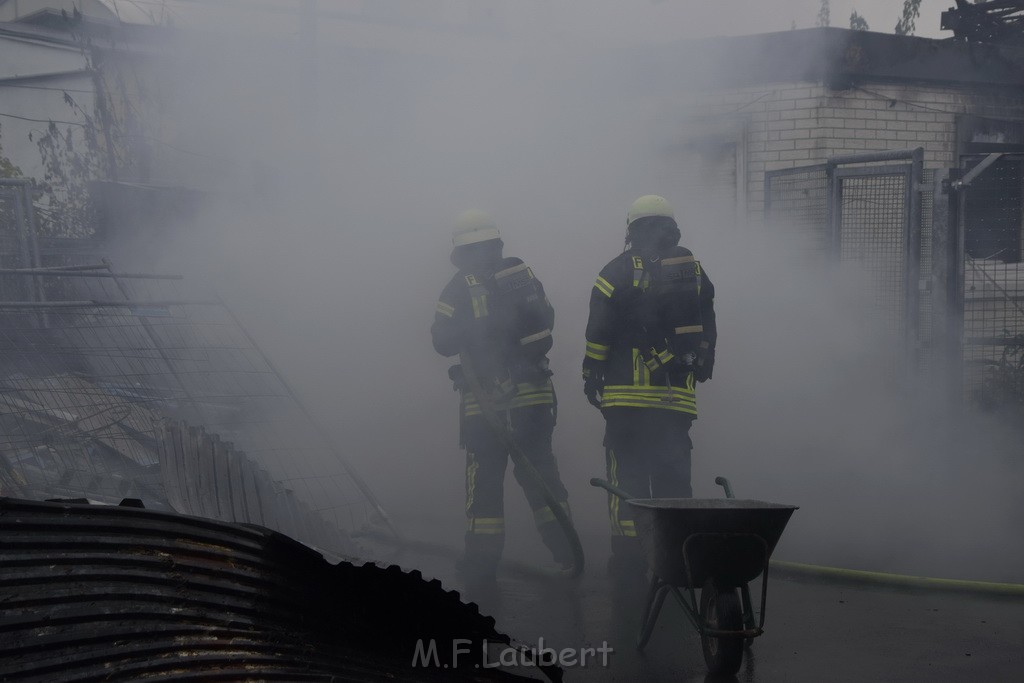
{"type": "Point", "coordinates": [651, 313]}
{"type": "Point", "coordinates": [503, 322]}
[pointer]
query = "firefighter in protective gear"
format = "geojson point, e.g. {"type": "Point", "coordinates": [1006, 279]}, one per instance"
{"type": "Point", "coordinates": [650, 338]}
{"type": "Point", "coordinates": [495, 316]}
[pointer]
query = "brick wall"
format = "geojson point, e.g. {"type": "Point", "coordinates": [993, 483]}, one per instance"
{"type": "Point", "coordinates": [796, 124]}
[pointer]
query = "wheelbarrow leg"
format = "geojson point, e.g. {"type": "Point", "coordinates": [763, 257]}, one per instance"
{"type": "Point", "coordinates": [748, 608]}
{"type": "Point", "coordinates": [655, 599]}
{"type": "Point", "coordinates": [749, 623]}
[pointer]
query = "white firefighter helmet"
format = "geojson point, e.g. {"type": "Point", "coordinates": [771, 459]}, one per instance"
{"type": "Point", "coordinates": [474, 226]}
{"type": "Point", "coordinates": [649, 205]}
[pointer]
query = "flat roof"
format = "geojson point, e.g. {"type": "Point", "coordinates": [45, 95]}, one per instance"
{"type": "Point", "coordinates": [844, 57]}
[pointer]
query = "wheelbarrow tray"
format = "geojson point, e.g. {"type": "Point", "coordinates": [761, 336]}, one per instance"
{"type": "Point", "coordinates": [729, 539]}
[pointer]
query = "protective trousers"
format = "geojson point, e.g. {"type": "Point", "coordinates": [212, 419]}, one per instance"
{"type": "Point", "coordinates": [647, 454]}
{"type": "Point", "coordinates": [486, 461]}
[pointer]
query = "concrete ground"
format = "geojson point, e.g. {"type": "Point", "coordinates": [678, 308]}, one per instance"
{"type": "Point", "coordinates": [814, 631]}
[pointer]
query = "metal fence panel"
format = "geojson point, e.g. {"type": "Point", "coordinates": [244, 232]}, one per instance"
{"type": "Point", "coordinates": [865, 209]}
{"type": "Point", "coordinates": [84, 390]}
{"type": "Point", "coordinates": [796, 199]}
{"type": "Point", "coordinates": [928, 319]}
{"type": "Point", "coordinates": [993, 282]}
{"type": "Point", "coordinates": [871, 223]}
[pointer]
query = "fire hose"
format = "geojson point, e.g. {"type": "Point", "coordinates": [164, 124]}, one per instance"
{"type": "Point", "coordinates": [799, 569]}
{"type": "Point", "coordinates": [886, 579]}
{"type": "Point", "coordinates": [504, 435]}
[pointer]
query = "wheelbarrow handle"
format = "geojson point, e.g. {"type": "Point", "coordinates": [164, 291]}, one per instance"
{"type": "Point", "coordinates": [611, 488]}
{"type": "Point", "coordinates": [724, 483]}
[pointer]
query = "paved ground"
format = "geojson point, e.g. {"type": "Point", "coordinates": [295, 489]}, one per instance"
{"type": "Point", "coordinates": [814, 631]}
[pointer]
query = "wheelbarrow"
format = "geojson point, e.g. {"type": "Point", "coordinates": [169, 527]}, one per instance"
{"type": "Point", "coordinates": [717, 545]}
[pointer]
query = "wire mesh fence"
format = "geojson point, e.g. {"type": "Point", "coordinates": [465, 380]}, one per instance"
{"type": "Point", "coordinates": [89, 376]}
{"type": "Point", "coordinates": [929, 320]}
{"type": "Point", "coordinates": [865, 210]}
{"type": "Point", "coordinates": [872, 224]}
{"type": "Point", "coordinates": [796, 203]}
{"type": "Point", "coordinates": [993, 284]}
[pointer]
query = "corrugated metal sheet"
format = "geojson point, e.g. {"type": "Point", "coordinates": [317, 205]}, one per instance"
{"type": "Point", "coordinates": [92, 592]}
{"type": "Point", "coordinates": [208, 477]}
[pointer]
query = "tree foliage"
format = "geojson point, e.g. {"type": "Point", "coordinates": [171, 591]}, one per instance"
{"type": "Point", "coordinates": [911, 11]}
{"type": "Point", "coordinates": [101, 147]}
{"type": "Point", "coordinates": [857, 22]}
{"type": "Point", "coordinates": [7, 168]}
{"type": "Point", "coordinates": [824, 14]}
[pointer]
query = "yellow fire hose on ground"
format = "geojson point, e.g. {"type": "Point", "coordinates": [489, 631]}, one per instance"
{"type": "Point", "coordinates": [798, 569]}
{"type": "Point", "coordinates": [502, 432]}
{"type": "Point", "coordinates": [889, 580]}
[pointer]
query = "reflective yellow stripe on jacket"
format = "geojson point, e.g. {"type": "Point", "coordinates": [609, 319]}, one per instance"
{"type": "Point", "coordinates": [597, 351]}
{"type": "Point", "coordinates": [526, 395]}
{"type": "Point", "coordinates": [680, 399]}
{"type": "Point", "coordinates": [604, 287]}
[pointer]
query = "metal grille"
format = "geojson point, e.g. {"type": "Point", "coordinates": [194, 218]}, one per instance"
{"type": "Point", "coordinates": [993, 277]}
{"type": "Point", "coordinates": [872, 225]}
{"type": "Point", "coordinates": [927, 320]}
{"type": "Point", "coordinates": [87, 377]}
{"type": "Point", "coordinates": [796, 201]}
{"type": "Point", "coordinates": [860, 209]}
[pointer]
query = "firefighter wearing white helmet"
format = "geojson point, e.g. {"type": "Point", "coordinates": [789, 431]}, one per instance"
{"type": "Point", "coordinates": [474, 226]}
{"type": "Point", "coordinates": [494, 313]}
{"type": "Point", "coordinates": [650, 339]}
{"type": "Point", "coordinates": [647, 206]}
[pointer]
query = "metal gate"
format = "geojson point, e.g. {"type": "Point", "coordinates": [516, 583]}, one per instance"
{"type": "Point", "coordinates": [866, 209]}
{"type": "Point", "coordinates": [990, 256]}
{"type": "Point", "coordinates": [799, 198]}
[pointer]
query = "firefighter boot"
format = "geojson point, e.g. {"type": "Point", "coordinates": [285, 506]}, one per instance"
{"type": "Point", "coordinates": [627, 566]}
{"type": "Point", "coordinates": [554, 538]}
{"type": "Point", "coordinates": [480, 561]}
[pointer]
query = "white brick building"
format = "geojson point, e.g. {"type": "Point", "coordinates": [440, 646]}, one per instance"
{"type": "Point", "coordinates": [780, 100]}
{"type": "Point", "coordinates": [759, 104]}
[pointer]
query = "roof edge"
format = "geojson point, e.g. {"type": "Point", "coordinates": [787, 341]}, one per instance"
{"type": "Point", "coordinates": [843, 57]}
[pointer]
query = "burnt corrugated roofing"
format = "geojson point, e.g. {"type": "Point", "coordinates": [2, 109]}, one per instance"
{"type": "Point", "coordinates": [92, 592]}
{"type": "Point", "coordinates": [837, 55]}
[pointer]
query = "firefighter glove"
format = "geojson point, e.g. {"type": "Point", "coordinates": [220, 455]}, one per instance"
{"type": "Point", "coordinates": [593, 381]}
{"type": "Point", "coordinates": [457, 377]}
{"type": "Point", "coordinates": [704, 364]}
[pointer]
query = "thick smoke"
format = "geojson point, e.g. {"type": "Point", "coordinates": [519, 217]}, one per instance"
{"type": "Point", "coordinates": [332, 194]}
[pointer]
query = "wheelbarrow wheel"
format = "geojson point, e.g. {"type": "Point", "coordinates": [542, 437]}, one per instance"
{"type": "Point", "coordinates": [720, 609]}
